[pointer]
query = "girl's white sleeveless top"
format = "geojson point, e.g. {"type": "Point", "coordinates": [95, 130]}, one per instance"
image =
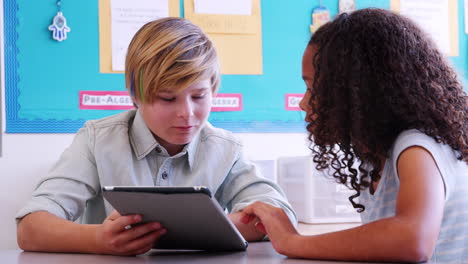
{"type": "Point", "coordinates": [452, 243]}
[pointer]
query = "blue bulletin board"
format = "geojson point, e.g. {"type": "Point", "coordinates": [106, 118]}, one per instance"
{"type": "Point", "coordinates": [43, 77]}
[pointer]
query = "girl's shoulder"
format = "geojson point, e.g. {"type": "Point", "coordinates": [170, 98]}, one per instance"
{"type": "Point", "coordinates": [452, 170]}
{"type": "Point", "coordinates": [415, 137]}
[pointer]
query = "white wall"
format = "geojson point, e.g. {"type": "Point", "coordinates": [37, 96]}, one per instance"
{"type": "Point", "coordinates": [24, 159]}
{"type": "Point", "coordinates": [27, 157]}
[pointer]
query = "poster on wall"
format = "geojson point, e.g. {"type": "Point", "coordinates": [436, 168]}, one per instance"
{"type": "Point", "coordinates": [126, 18]}
{"type": "Point", "coordinates": [432, 17]}
{"type": "Point", "coordinates": [235, 28]}
{"type": "Point", "coordinates": [439, 18]}
{"type": "Point", "coordinates": [223, 7]}
{"type": "Point", "coordinates": [466, 16]}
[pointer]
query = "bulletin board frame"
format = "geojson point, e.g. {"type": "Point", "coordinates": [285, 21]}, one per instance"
{"type": "Point", "coordinates": [281, 74]}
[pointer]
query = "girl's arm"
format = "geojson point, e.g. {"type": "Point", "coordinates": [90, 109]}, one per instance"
{"type": "Point", "coordinates": [409, 236]}
{"type": "Point", "coordinates": [248, 231]}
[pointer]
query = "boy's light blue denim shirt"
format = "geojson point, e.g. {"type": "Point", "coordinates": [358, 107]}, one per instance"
{"type": "Point", "coordinates": [121, 151]}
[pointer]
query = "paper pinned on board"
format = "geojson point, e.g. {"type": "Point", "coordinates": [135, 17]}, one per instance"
{"type": "Point", "coordinates": [433, 17]}
{"type": "Point", "coordinates": [223, 7]}
{"type": "Point", "coordinates": [237, 38]}
{"type": "Point", "coordinates": [466, 16]}
{"type": "Point", "coordinates": [223, 16]}
{"type": "Point", "coordinates": [126, 18]}
{"type": "Point", "coordinates": [225, 24]}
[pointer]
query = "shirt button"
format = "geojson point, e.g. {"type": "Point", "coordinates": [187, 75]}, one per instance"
{"type": "Point", "coordinates": [158, 149]}
{"type": "Point", "coordinates": [164, 175]}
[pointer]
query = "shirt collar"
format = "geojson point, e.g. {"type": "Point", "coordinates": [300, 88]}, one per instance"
{"type": "Point", "coordinates": [143, 141]}
{"type": "Point", "coordinates": [141, 138]}
{"type": "Point", "coordinates": [192, 149]}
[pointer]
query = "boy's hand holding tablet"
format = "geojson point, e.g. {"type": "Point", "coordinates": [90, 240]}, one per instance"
{"type": "Point", "coordinates": [116, 238]}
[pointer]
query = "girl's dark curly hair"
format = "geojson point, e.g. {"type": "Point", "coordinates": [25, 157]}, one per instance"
{"type": "Point", "coordinates": [376, 75]}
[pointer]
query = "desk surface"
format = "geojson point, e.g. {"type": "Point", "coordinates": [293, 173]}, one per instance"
{"type": "Point", "coordinates": [257, 253]}
{"type": "Point", "coordinates": [315, 229]}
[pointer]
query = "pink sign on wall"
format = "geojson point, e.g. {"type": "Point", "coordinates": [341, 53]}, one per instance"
{"type": "Point", "coordinates": [105, 100]}
{"type": "Point", "coordinates": [227, 102]}
{"type": "Point", "coordinates": [120, 100]}
{"type": "Point", "coordinates": [292, 102]}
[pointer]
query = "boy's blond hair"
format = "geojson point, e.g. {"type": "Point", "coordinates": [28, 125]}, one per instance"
{"type": "Point", "coordinates": [169, 54]}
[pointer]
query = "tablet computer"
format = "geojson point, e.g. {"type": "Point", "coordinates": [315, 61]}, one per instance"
{"type": "Point", "coordinates": [191, 215]}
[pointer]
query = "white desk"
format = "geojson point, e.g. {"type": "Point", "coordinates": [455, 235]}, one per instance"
{"type": "Point", "coordinates": [257, 253]}
{"type": "Point", "coordinates": [315, 229]}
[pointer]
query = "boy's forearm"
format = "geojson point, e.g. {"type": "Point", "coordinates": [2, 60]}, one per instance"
{"type": "Point", "coordinates": [43, 231]}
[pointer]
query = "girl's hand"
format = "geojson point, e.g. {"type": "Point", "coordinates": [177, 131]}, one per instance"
{"type": "Point", "coordinates": [116, 236]}
{"type": "Point", "coordinates": [274, 222]}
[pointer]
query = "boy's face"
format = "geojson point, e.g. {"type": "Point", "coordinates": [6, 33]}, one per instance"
{"type": "Point", "coordinates": [175, 118]}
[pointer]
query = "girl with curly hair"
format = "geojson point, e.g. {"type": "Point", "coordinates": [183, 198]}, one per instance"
{"type": "Point", "coordinates": [388, 118]}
